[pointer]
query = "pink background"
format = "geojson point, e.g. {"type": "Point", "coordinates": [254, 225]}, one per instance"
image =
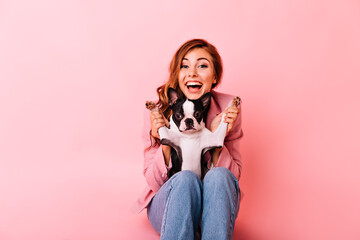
{"type": "Point", "coordinates": [74, 76]}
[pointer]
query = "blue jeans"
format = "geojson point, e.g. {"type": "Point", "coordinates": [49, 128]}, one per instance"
{"type": "Point", "coordinates": [185, 203]}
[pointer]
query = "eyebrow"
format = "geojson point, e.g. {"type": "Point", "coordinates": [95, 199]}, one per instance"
{"type": "Point", "coordinates": [198, 59]}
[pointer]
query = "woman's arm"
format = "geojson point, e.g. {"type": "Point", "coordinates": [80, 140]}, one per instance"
{"type": "Point", "coordinates": [156, 158]}
{"type": "Point", "coordinates": [167, 153]}
{"type": "Point", "coordinates": [229, 156]}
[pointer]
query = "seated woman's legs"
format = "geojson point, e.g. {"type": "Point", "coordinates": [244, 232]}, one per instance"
{"type": "Point", "coordinates": [221, 200]}
{"type": "Point", "coordinates": [175, 210]}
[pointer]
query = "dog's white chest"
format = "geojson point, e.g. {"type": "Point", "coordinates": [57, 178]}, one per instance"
{"type": "Point", "coordinates": [191, 148]}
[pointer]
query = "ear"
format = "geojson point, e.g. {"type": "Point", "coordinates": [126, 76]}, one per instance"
{"type": "Point", "coordinates": [205, 100]}
{"type": "Point", "coordinates": [173, 96]}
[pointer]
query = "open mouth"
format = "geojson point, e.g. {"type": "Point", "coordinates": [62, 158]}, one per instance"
{"type": "Point", "coordinates": [193, 86]}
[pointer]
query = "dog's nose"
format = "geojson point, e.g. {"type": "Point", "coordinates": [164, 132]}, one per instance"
{"type": "Point", "coordinates": [189, 122]}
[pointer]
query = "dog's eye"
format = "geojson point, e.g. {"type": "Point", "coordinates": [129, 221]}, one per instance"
{"type": "Point", "coordinates": [178, 115]}
{"type": "Point", "coordinates": [197, 114]}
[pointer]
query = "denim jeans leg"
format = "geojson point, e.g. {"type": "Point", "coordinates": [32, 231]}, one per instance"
{"type": "Point", "coordinates": [175, 210]}
{"type": "Point", "coordinates": [221, 199]}
{"type": "Point", "coordinates": [156, 208]}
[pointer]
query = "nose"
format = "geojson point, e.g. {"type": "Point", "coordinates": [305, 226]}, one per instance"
{"type": "Point", "coordinates": [192, 72]}
{"type": "Point", "coordinates": [189, 122]}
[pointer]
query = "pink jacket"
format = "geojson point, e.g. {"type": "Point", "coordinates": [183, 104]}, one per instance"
{"type": "Point", "coordinates": [155, 169]}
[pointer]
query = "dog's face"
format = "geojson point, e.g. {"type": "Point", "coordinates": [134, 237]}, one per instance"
{"type": "Point", "coordinates": [188, 115]}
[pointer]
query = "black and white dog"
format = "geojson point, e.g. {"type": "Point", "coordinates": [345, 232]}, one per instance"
{"type": "Point", "coordinates": [187, 135]}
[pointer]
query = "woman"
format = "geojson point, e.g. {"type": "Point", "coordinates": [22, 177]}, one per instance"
{"type": "Point", "coordinates": [184, 205]}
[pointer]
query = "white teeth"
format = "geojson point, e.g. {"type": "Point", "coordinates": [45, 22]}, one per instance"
{"type": "Point", "coordinates": [193, 84]}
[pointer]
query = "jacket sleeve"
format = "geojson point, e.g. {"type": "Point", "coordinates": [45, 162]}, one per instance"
{"type": "Point", "coordinates": [155, 169]}
{"type": "Point", "coordinates": [230, 156]}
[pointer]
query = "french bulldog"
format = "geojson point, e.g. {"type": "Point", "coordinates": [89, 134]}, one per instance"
{"type": "Point", "coordinates": [187, 134]}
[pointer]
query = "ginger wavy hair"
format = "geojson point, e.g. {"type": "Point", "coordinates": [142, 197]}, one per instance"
{"type": "Point", "coordinates": [174, 69]}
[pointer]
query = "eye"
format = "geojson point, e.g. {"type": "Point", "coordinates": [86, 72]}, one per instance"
{"type": "Point", "coordinates": [184, 66]}
{"type": "Point", "coordinates": [197, 114]}
{"type": "Point", "coordinates": [178, 115]}
{"type": "Point", "coordinates": [203, 66]}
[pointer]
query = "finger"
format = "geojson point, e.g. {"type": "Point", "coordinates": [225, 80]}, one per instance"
{"type": "Point", "coordinates": [159, 125]}
{"type": "Point", "coordinates": [231, 116]}
{"type": "Point", "coordinates": [155, 130]}
{"type": "Point", "coordinates": [230, 125]}
{"type": "Point", "coordinates": [157, 120]}
{"type": "Point", "coordinates": [233, 109]}
{"type": "Point", "coordinates": [160, 117]}
{"type": "Point", "coordinates": [229, 121]}
{"type": "Point", "coordinates": [155, 115]}
{"type": "Point", "coordinates": [155, 134]}
{"type": "Point", "coordinates": [152, 117]}
{"type": "Point", "coordinates": [167, 124]}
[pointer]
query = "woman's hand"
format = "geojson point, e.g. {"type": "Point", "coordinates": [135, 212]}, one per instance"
{"type": "Point", "coordinates": [231, 113]}
{"type": "Point", "coordinates": [231, 116]}
{"type": "Point", "coordinates": [157, 121]}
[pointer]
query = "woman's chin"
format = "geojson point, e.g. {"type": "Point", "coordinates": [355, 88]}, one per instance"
{"type": "Point", "coordinates": [193, 94]}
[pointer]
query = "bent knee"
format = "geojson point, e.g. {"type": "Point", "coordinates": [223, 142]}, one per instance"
{"type": "Point", "coordinates": [186, 178]}
{"type": "Point", "coordinates": [219, 175]}
{"type": "Point", "coordinates": [219, 172]}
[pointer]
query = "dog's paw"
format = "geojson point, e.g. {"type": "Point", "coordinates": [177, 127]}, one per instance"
{"type": "Point", "coordinates": [150, 105]}
{"type": "Point", "coordinates": [236, 101]}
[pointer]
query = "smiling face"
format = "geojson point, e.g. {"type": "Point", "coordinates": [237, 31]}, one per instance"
{"type": "Point", "coordinates": [196, 74]}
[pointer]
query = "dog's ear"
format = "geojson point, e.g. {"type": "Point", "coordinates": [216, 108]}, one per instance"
{"type": "Point", "coordinates": [205, 100]}
{"type": "Point", "coordinates": [173, 96]}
